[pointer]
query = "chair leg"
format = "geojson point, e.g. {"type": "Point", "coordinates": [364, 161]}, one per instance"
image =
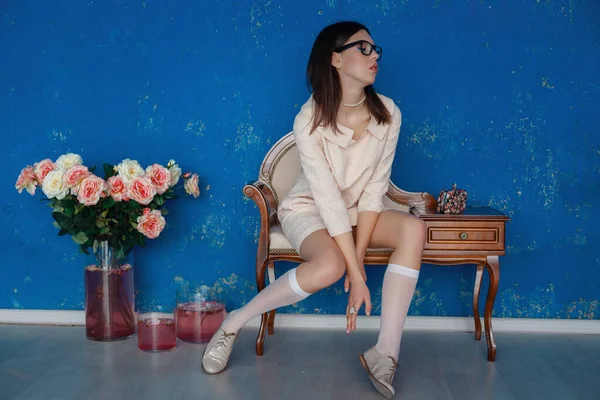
{"type": "Point", "coordinates": [260, 339]}
{"type": "Point", "coordinates": [271, 324]}
{"type": "Point", "coordinates": [260, 285]}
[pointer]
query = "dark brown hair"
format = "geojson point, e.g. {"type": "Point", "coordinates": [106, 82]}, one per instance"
{"type": "Point", "coordinates": [323, 78]}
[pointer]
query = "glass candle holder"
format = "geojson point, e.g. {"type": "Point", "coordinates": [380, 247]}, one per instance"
{"type": "Point", "coordinates": [199, 314]}
{"type": "Point", "coordinates": [157, 331]}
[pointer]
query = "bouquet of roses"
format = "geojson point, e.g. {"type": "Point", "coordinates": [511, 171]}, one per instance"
{"type": "Point", "coordinates": [123, 208]}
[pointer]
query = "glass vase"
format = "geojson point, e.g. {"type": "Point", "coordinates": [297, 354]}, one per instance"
{"type": "Point", "coordinates": [109, 301]}
{"type": "Point", "coordinates": [199, 314]}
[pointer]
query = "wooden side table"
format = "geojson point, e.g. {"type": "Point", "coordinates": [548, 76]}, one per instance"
{"type": "Point", "coordinates": [474, 237]}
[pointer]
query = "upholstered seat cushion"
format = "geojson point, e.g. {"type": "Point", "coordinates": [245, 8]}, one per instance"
{"type": "Point", "coordinates": [280, 245]}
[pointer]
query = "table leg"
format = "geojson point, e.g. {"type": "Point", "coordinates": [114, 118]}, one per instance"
{"type": "Point", "coordinates": [493, 267]}
{"type": "Point", "coordinates": [476, 290]}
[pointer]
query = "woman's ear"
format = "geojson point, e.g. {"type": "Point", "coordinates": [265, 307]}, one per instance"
{"type": "Point", "coordinates": [336, 61]}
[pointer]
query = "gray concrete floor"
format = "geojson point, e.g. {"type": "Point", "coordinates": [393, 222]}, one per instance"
{"type": "Point", "coordinates": [43, 362]}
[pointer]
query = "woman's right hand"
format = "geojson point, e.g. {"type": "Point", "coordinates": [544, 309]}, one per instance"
{"type": "Point", "coordinates": [359, 294]}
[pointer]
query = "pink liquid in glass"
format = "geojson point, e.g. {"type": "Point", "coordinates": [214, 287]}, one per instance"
{"type": "Point", "coordinates": [109, 311]}
{"type": "Point", "coordinates": [198, 322]}
{"type": "Point", "coordinates": [156, 334]}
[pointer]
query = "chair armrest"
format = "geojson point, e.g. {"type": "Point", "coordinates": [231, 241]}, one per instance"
{"type": "Point", "coordinates": [414, 210]}
{"type": "Point", "coordinates": [259, 192]}
{"type": "Point", "coordinates": [268, 195]}
{"type": "Point", "coordinates": [417, 202]}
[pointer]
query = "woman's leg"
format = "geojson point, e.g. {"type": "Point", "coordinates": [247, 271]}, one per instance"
{"type": "Point", "coordinates": [324, 266]}
{"type": "Point", "coordinates": [404, 233]}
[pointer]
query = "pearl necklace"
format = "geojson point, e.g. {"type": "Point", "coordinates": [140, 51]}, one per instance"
{"type": "Point", "coordinates": [355, 105]}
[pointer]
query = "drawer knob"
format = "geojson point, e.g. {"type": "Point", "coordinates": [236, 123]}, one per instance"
{"type": "Point", "coordinates": [464, 236]}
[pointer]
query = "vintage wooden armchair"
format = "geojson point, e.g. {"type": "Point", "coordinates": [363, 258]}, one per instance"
{"type": "Point", "coordinates": [278, 172]}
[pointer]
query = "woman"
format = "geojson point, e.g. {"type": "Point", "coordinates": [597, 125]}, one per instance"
{"type": "Point", "coordinates": [346, 135]}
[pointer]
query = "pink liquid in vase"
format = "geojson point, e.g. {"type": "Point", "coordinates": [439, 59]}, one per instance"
{"type": "Point", "coordinates": [109, 299]}
{"type": "Point", "coordinates": [156, 334]}
{"type": "Point", "coordinates": [198, 322]}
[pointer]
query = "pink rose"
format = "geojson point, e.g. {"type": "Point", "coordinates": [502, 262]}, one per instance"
{"type": "Point", "coordinates": [27, 180]}
{"type": "Point", "coordinates": [118, 189]}
{"type": "Point", "coordinates": [90, 190]}
{"type": "Point", "coordinates": [160, 177]}
{"type": "Point", "coordinates": [142, 190]}
{"type": "Point", "coordinates": [191, 186]}
{"type": "Point", "coordinates": [151, 223]}
{"type": "Point", "coordinates": [42, 169]}
{"type": "Point", "coordinates": [74, 176]}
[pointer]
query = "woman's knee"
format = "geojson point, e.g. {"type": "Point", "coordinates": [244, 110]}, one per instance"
{"type": "Point", "coordinates": [414, 231]}
{"type": "Point", "coordinates": [331, 266]}
{"type": "Point", "coordinates": [420, 229]}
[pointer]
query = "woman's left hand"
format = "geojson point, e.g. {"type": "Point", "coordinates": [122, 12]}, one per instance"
{"type": "Point", "coordinates": [359, 293]}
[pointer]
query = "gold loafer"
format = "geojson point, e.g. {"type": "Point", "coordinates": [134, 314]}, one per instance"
{"type": "Point", "coordinates": [217, 352]}
{"type": "Point", "coordinates": [381, 370]}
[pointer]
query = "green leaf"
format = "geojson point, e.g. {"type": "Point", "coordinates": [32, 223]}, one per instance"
{"type": "Point", "coordinates": [92, 169]}
{"type": "Point", "coordinates": [108, 170]}
{"type": "Point", "coordinates": [120, 253]}
{"type": "Point", "coordinates": [101, 222]}
{"type": "Point", "coordinates": [80, 238]}
{"type": "Point", "coordinates": [134, 224]}
{"type": "Point", "coordinates": [84, 249]}
{"type": "Point", "coordinates": [139, 240]}
{"type": "Point", "coordinates": [79, 208]}
{"type": "Point", "coordinates": [105, 230]}
{"type": "Point", "coordinates": [67, 202]}
{"type": "Point", "coordinates": [95, 245]}
{"type": "Point", "coordinates": [164, 211]}
{"type": "Point", "coordinates": [56, 225]}
{"type": "Point", "coordinates": [60, 217]}
{"type": "Point", "coordinates": [159, 200]}
{"type": "Point", "coordinates": [108, 203]}
{"type": "Point", "coordinates": [169, 194]}
{"type": "Point", "coordinates": [63, 232]}
{"type": "Point", "coordinates": [69, 211]}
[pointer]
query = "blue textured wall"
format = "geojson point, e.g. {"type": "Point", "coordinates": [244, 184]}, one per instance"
{"type": "Point", "coordinates": [502, 99]}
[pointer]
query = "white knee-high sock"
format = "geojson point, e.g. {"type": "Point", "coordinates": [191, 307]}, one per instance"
{"type": "Point", "coordinates": [282, 292]}
{"type": "Point", "coordinates": [399, 285]}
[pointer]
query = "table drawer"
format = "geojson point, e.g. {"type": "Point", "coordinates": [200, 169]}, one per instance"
{"type": "Point", "coordinates": [453, 235]}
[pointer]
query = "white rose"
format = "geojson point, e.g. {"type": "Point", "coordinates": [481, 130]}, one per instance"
{"type": "Point", "coordinates": [129, 170]}
{"type": "Point", "coordinates": [68, 161]}
{"type": "Point", "coordinates": [175, 172]}
{"type": "Point", "coordinates": [54, 185]}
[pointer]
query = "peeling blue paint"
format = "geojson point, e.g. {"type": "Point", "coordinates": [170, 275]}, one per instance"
{"type": "Point", "coordinates": [195, 127]}
{"type": "Point", "coordinates": [214, 229]}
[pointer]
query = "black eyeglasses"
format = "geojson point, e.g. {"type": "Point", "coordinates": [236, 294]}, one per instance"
{"type": "Point", "coordinates": [365, 47]}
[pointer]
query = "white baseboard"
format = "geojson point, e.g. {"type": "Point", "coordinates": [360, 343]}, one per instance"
{"type": "Point", "coordinates": [321, 321]}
